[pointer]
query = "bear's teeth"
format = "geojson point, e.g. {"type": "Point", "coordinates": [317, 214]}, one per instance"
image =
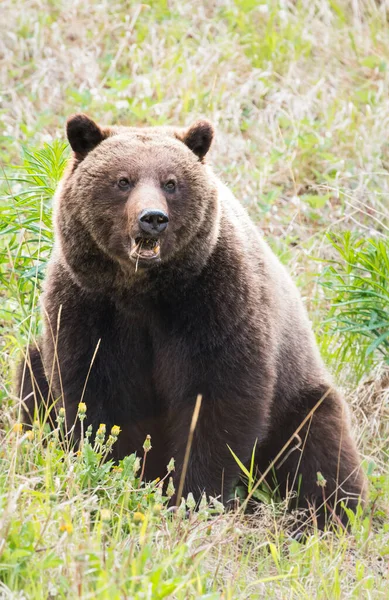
{"type": "Point", "coordinates": [146, 243]}
{"type": "Point", "coordinates": [146, 248]}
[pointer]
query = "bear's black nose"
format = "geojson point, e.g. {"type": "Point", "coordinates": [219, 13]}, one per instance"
{"type": "Point", "coordinates": [153, 221]}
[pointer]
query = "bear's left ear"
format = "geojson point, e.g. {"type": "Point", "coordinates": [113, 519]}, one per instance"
{"type": "Point", "coordinates": [198, 137]}
{"type": "Point", "coordinates": [84, 134]}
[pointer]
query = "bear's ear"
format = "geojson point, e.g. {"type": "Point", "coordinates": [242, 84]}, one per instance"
{"type": "Point", "coordinates": [198, 137]}
{"type": "Point", "coordinates": [83, 134]}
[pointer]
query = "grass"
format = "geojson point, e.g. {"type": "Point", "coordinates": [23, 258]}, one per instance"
{"type": "Point", "coordinates": [298, 93]}
{"type": "Point", "coordinates": [357, 281]}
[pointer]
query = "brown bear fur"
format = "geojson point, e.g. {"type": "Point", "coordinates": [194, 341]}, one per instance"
{"type": "Point", "coordinates": [215, 314]}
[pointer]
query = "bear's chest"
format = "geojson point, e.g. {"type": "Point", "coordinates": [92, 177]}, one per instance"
{"type": "Point", "coordinates": [168, 354]}
{"type": "Point", "coordinates": [152, 354]}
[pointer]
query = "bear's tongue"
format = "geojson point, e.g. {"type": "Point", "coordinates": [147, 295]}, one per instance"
{"type": "Point", "coordinates": [145, 248]}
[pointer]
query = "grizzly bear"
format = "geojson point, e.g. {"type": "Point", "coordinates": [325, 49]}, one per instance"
{"type": "Point", "coordinates": [160, 288]}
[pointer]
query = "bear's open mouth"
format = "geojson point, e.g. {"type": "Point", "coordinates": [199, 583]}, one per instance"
{"type": "Point", "coordinates": [145, 249]}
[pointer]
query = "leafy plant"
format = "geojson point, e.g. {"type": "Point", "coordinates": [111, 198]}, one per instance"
{"type": "Point", "coordinates": [250, 476]}
{"type": "Point", "coordinates": [357, 282]}
{"type": "Point", "coordinates": [26, 227]}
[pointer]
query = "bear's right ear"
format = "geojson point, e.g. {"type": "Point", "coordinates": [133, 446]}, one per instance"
{"type": "Point", "coordinates": [83, 134]}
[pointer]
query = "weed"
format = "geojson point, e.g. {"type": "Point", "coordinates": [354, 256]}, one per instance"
{"type": "Point", "coordinates": [358, 284]}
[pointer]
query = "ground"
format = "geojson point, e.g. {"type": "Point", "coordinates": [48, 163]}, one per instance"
{"type": "Point", "coordinates": [298, 93]}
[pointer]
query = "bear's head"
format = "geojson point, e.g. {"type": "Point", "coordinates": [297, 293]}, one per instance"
{"type": "Point", "coordinates": [135, 198]}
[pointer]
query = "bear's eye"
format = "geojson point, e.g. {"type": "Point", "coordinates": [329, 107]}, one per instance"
{"type": "Point", "coordinates": [170, 185]}
{"type": "Point", "coordinates": [124, 183]}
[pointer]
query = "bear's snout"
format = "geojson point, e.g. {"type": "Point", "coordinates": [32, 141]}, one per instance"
{"type": "Point", "coordinates": [145, 243]}
{"type": "Point", "coordinates": [153, 222]}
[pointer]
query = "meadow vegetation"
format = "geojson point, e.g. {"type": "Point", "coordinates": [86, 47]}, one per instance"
{"type": "Point", "coordinates": [298, 92]}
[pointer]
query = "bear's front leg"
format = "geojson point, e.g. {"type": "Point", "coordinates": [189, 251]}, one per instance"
{"type": "Point", "coordinates": [74, 349]}
{"type": "Point", "coordinates": [64, 384]}
{"type": "Point", "coordinates": [211, 468]}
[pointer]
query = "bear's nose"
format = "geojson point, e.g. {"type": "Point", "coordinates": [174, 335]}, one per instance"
{"type": "Point", "coordinates": [153, 221]}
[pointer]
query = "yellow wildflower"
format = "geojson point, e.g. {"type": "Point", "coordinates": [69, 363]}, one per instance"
{"type": "Point", "coordinates": [68, 527]}
{"type": "Point", "coordinates": [138, 517]}
{"type": "Point", "coordinates": [82, 408]}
